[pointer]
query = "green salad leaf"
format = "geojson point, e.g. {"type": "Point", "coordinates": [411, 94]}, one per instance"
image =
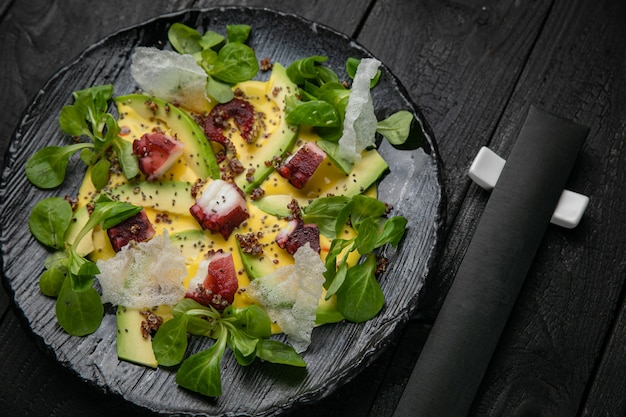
{"type": "Point", "coordinates": [245, 331]}
{"type": "Point", "coordinates": [86, 117]}
{"type": "Point", "coordinates": [70, 276]}
{"type": "Point", "coordinates": [322, 102]}
{"type": "Point", "coordinates": [49, 220]}
{"type": "Point", "coordinates": [397, 127]}
{"type": "Point", "coordinates": [359, 296]}
{"type": "Point", "coordinates": [227, 61]}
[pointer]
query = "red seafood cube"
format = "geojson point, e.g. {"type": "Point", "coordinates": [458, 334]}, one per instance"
{"type": "Point", "coordinates": [297, 234]}
{"type": "Point", "coordinates": [136, 228]}
{"type": "Point", "coordinates": [300, 167]}
{"type": "Point", "coordinates": [242, 113]}
{"type": "Point", "coordinates": [156, 153]}
{"type": "Point", "coordinates": [220, 208]}
{"type": "Point", "coordinates": [216, 282]}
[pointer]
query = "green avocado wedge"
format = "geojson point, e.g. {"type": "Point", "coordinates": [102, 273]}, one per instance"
{"type": "Point", "coordinates": [198, 152]}
{"type": "Point", "coordinates": [363, 176]}
{"type": "Point", "coordinates": [131, 344]}
{"type": "Point", "coordinates": [171, 196]}
{"type": "Point", "coordinates": [281, 141]}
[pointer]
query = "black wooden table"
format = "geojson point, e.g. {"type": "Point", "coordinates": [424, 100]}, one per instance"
{"type": "Point", "coordinates": [473, 67]}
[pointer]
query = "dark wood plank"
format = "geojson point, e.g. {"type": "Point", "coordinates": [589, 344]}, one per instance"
{"type": "Point", "coordinates": [444, 66]}
{"type": "Point", "coordinates": [547, 357]}
{"type": "Point", "coordinates": [606, 398]}
{"type": "Point", "coordinates": [461, 69]}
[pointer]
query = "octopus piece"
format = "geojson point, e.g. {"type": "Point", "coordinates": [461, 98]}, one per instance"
{"type": "Point", "coordinates": [297, 234]}
{"type": "Point", "coordinates": [220, 208]}
{"type": "Point", "coordinates": [300, 167]}
{"type": "Point", "coordinates": [156, 153]}
{"type": "Point", "coordinates": [216, 282]}
{"type": "Point", "coordinates": [243, 114]}
{"type": "Point", "coordinates": [136, 228]}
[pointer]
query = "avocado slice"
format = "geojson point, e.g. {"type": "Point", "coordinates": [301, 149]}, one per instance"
{"type": "Point", "coordinates": [363, 176]}
{"type": "Point", "coordinates": [256, 266]}
{"type": "Point", "coordinates": [130, 344]}
{"type": "Point", "coordinates": [282, 138]}
{"type": "Point", "coordinates": [198, 152]}
{"type": "Point", "coordinates": [85, 246]}
{"type": "Point", "coordinates": [171, 196]}
{"type": "Point", "coordinates": [277, 204]}
{"type": "Point", "coordinates": [327, 311]}
{"type": "Point", "coordinates": [190, 242]}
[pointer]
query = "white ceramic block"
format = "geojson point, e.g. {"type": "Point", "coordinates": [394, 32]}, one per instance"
{"type": "Point", "coordinates": [486, 169]}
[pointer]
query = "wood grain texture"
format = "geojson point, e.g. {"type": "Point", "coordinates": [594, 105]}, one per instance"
{"type": "Point", "coordinates": [574, 290]}
{"type": "Point", "coordinates": [459, 67]}
{"type": "Point", "coordinates": [462, 65]}
{"type": "Point", "coordinates": [605, 397]}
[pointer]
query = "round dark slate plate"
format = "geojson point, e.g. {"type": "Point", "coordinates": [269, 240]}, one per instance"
{"type": "Point", "coordinates": [338, 351]}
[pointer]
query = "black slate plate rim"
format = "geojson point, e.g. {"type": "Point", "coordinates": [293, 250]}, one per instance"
{"type": "Point", "coordinates": [342, 375]}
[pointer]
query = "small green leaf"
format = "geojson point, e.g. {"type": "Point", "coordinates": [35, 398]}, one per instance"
{"type": "Point", "coordinates": [367, 236]}
{"type": "Point", "coordinates": [88, 156]}
{"type": "Point", "coordinates": [331, 274]}
{"type": "Point", "coordinates": [392, 232]}
{"type": "Point", "coordinates": [184, 40]}
{"type": "Point", "coordinates": [50, 282]}
{"type": "Point", "coordinates": [338, 280]}
{"type": "Point", "coordinates": [100, 94]}
{"type": "Point", "coordinates": [72, 121]}
{"type": "Point", "coordinates": [328, 213]}
{"type": "Point", "coordinates": [210, 39]}
{"type": "Point", "coordinates": [397, 127]}
{"type": "Point", "coordinates": [113, 213]}
{"type": "Point", "coordinates": [201, 372]}
{"type": "Point", "coordinates": [237, 33]}
{"type": "Point", "coordinates": [252, 319]}
{"type": "Point", "coordinates": [170, 341]}
{"type": "Point", "coordinates": [126, 157]}
{"type": "Point", "coordinates": [84, 278]}
{"type": "Point", "coordinates": [206, 59]}
{"type": "Point", "coordinates": [58, 259]}
{"type": "Point", "coordinates": [236, 63]}
{"type": "Point", "coordinates": [332, 152]}
{"type": "Point", "coordinates": [305, 69]}
{"type": "Point", "coordinates": [243, 345]}
{"type": "Point", "coordinates": [100, 174]}
{"type": "Point", "coordinates": [78, 312]}
{"type": "Point", "coordinates": [275, 351]}
{"type": "Point", "coordinates": [365, 207]}
{"type": "Point", "coordinates": [313, 113]}
{"type": "Point", "coordinates": [49, 220]}
{"type": "Point", "coordinates": [360, 297]}
{"type": "Point", "coordinates": [46, 168]}
{"type": "Point", "coordinates": [112, 129]}
{"type": "Point", "coordinates": [187, 304]}
{"type": "Point", "coordinates": [221, 92]}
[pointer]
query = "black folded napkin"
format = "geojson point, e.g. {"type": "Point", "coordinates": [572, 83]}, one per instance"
{"type": "Point", "coordinates": [466, 331]}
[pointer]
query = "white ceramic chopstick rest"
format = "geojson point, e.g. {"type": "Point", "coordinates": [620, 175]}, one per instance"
{"type": "Point", "coordinates": [485, 171]}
